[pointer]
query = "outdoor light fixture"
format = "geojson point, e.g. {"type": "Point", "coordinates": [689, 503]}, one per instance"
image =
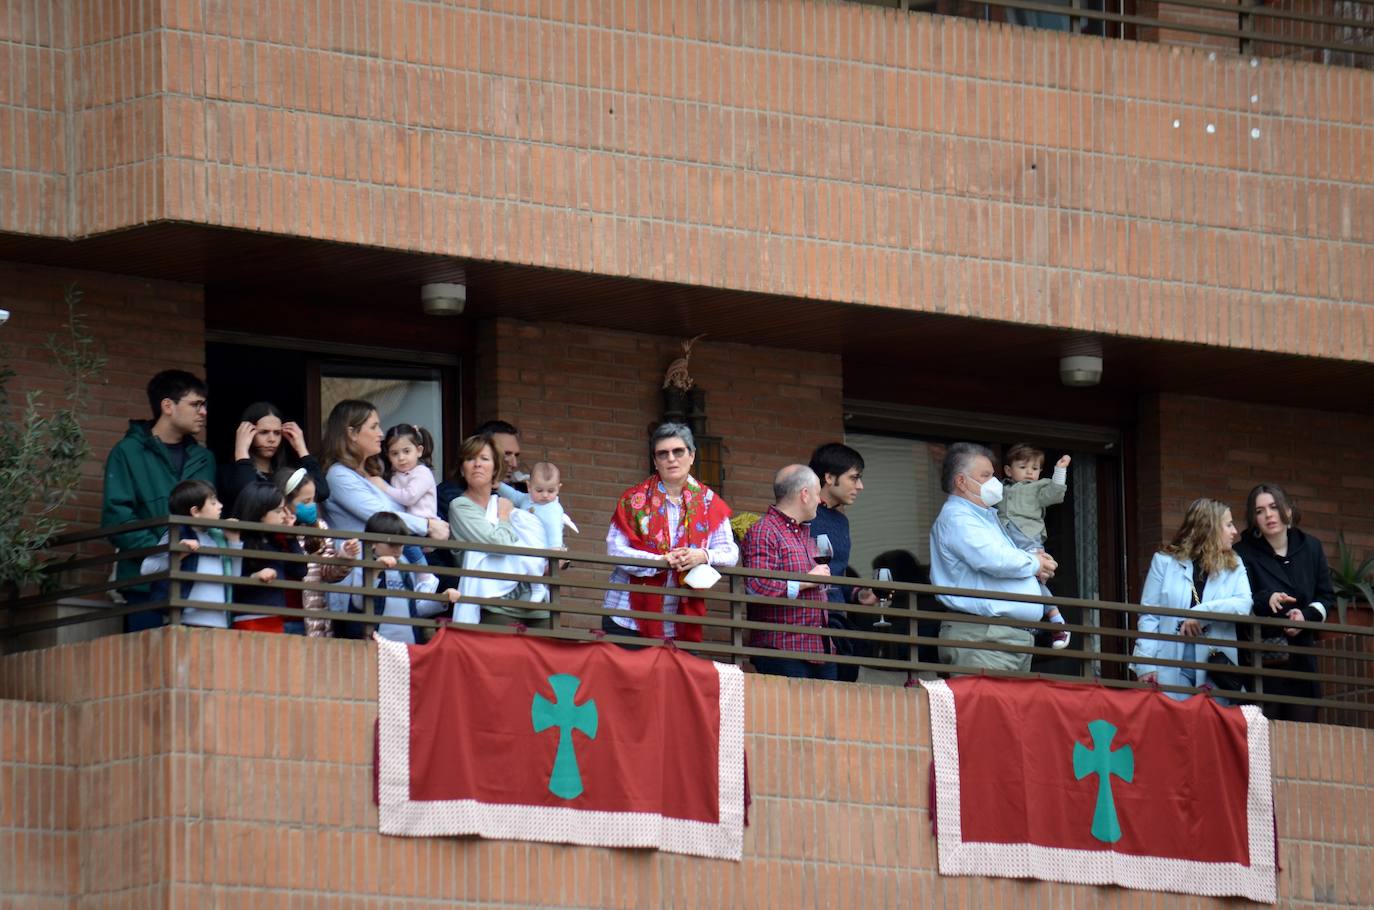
{"type": "Point", "coordinates": [4, 316]}
{"type": "Point", "coordinates": [443, 299]}
{"type": "Point", "coordinates": [1080, 370]}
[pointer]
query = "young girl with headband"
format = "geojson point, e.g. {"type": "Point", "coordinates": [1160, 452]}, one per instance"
{"type": "Point", "coordinates": [298, 486]}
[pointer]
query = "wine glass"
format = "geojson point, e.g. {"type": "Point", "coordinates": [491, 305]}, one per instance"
{"type": "Point", "coordinates": [884, 597]}
{"type": "Point", "coordinates": [824, 551]}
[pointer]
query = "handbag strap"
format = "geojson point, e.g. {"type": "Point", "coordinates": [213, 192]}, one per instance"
{"type": "Point", "coordinates": [1197, 598]}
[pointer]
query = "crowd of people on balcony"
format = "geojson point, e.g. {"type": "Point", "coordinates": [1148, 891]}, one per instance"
{"type": "Point", "coordinates": [988, 539]}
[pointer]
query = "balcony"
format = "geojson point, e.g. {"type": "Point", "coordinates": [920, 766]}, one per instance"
{"type": "Point", "coordinates": [899, 648]}
{"type": "Point", "coordinates": [194, 767]}
{"type": "Point", "coordinates": [1333, 32]}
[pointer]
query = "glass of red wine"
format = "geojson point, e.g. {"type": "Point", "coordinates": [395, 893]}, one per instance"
{"type": "Point", "coordinates": [824, 553]}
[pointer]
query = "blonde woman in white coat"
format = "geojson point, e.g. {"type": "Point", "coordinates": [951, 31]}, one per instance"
{"type": "Point", "coordinates": [1199, 559]}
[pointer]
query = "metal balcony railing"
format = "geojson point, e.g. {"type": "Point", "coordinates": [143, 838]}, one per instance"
{"type": "Point", "coordinates": [1337, 32]}
{"type": "Point", "coordinates": [80, 581]}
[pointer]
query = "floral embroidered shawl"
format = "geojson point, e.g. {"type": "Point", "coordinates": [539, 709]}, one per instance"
{"type": "Point", "coordinates": [642, 515]}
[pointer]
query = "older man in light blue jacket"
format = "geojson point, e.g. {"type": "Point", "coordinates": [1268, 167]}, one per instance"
{"type": "Point", "coordinates": [969, 549]}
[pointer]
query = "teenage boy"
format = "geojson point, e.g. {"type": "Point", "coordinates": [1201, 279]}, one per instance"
{"type": "Point", "coordinates": [841, 472]}
{"type": "Point", "coordinates": [153, 457]}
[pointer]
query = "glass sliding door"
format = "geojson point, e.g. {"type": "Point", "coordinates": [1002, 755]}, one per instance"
{"type": "Point", "coordinates": [890, 522]}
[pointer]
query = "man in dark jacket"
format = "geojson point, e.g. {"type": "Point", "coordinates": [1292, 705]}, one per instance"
{"type": "Point", "coordinates": [154, 456]}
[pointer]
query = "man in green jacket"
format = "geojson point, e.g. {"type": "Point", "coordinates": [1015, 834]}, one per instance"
{"type": "Point", "coordinates": [154, 456]}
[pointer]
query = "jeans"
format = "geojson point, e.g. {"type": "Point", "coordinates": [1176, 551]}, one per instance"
{"type": "Point", "coordinates": [1189, 674]}
{"type": "Point", "coordinates": [797, 669]}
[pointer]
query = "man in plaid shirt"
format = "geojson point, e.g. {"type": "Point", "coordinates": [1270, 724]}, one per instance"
{"type": "Point", "coordinates": [781, 542]}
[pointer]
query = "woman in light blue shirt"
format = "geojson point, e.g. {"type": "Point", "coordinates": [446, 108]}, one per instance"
{"type": "Point", "coordinates": [352, 451]}
{"type": "Point", "coordinates": [1198, 570]}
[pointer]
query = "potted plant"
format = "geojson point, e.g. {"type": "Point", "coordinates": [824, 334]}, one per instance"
{"type": "Point", "coordinates": [1353, 581]}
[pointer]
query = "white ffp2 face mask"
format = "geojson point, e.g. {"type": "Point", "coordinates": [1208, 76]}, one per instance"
{"type": "Point", "coordinates": [990, 491]}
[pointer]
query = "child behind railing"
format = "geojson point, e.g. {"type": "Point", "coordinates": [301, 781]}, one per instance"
{"type": "Point", "coordinates": [262, 502]}
{"type": "Point", "coordinates": [299, 489]}
{"type": "Point", "coordinates": [197, 498]}
{"type": "Point", "coordinates": [392, 578]}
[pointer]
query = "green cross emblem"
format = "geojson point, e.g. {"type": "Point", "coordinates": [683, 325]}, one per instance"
{"type": "Point", "coordinates": [566, 779]}
{"type": "Point", "coordinates": [1103, 762]}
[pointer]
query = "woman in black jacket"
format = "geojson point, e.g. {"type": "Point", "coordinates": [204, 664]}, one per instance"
{"type": "Point", "coordinates": [260, 449]}
{"type": "Point", "coordinates": [1289, 576]}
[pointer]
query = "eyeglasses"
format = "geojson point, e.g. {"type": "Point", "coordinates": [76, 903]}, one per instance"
{"type": "Point", "coordinates": [196, 404]}
{"type": "Point", "coordinates": [675, 454]}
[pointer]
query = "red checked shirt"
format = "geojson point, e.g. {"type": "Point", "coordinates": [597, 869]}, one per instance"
{"type": "Point", "coordinates": [779, 544]}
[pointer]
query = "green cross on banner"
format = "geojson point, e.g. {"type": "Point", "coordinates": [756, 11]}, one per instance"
{"type": "Point", "coordinates": [1103, 762]}
{"type": "Point", "coordinates": [566, 779]}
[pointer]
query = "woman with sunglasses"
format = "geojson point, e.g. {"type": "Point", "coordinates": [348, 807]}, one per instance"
{"type": "Point", "coordinates": [671, 516]}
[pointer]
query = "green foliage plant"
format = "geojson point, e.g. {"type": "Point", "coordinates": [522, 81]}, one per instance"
{"type": "Point", "coordinates": [42, 449]}
{"type": "Point", "coordinates": [1352, 579]}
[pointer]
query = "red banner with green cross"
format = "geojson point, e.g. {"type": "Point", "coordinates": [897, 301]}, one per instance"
{"type": "Point", "coordinates": [516, 737]}
{"type": "Point", "coordinates": [1069, 782]}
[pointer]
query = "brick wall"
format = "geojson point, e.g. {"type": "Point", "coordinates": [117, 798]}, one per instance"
{"type": "Point", "coordinates": [1193, 446]}
{"type": "Point", "coordinates": [814, 149]}
{"type": "Point", "coordinates": [1184, 15]}
{"type": "Point", "coordinates": [39, 806]}
{"type": "Point", "coordinates": [34, 119]}
{"type": "Point", "coordinates": [233, 770]}
{"type": "Point", "coordinates": [141, 326]}
{"type": "Point", "coordinates": [80, 115]}
{"type": "Point", "coordinates": [586, 397]}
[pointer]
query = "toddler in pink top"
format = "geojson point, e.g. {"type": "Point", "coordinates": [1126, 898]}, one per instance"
{"type": "Point", "coordinates": [409, 477]}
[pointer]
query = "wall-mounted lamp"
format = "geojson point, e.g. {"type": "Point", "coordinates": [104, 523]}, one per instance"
{"type": "Point", "coordinates": [447, 299]}
{"type": "Point", "coordinates": [1080, 370]}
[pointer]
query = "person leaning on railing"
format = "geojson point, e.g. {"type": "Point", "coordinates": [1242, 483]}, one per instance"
{"type": "Point", "coordinates": [781, 542]}
{"type": "Point", "coordinates": [1289, 576]}
{"type": "Point", "coordinates": [352, 447]}
{"type": "Point", "coordinates": [263, 503]}
{"type": "Point", "coordinates": [487, 512]}
{"type": "Point", "coordinates": [970, 549]}
{"type": "Point", "coordinates": [1198, 570]}
{"type": "Point", "coordinates": [671, 516]}
{"type": "Point", "coordinates": [394, 576]}
{"type": "Point", "coordinates": [197, 498]}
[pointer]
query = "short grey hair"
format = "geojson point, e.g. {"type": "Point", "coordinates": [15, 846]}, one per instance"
{"type": "Point", "coordinates": [958, 458]}
{"type": "Point", "coordinates": [672, 430]}
{"type": "Point", "coordinates": [791, 480]}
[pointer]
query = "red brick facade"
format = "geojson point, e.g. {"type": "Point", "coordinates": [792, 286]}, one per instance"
{"type": "Point", "coordinates": [813, 149]}
{"type": "Point", "coordinates": [587, 397]}
{"type": "Point", "coordinates": [1156, 197]}
{"type": "Point", "coordinates": [186, 768]}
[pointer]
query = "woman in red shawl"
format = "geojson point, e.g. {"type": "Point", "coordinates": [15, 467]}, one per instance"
{"type": "Point", "coordinates": [670, 516]}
